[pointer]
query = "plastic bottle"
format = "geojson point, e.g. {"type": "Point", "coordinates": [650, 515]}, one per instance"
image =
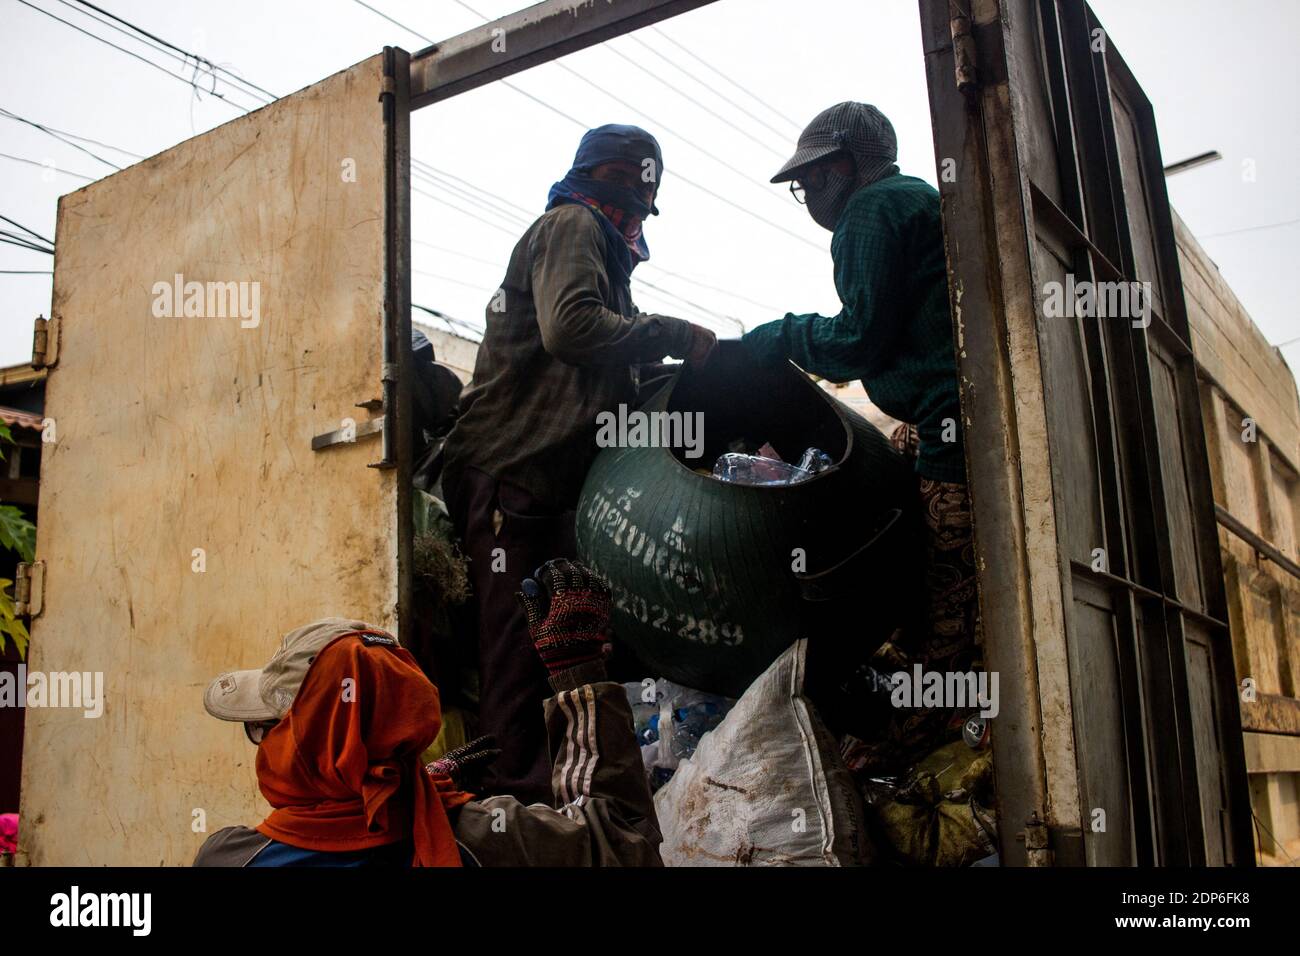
{"type": "Point", "coordinates": [815, 460]}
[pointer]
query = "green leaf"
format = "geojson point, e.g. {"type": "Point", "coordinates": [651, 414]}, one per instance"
{"type": "Point", "coordinates": [17, 533]}
{"type": "Point", "coordinates": [18, 631]}
{"type": "Point", "coordinates": [11, 625]}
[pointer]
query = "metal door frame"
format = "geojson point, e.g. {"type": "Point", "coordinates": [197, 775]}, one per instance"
{"type": "Point", "coordinates": [974, 115]}
{"type": "Point", "coordinates": [980, 119]}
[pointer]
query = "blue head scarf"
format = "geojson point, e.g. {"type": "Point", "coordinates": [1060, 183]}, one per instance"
{"type": "Point", "coordinates": [605, 144]}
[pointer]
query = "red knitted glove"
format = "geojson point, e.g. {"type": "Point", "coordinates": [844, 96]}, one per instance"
{"type": "Point", "coordinates": [568, 614]}
{"type": "Point", "coordinates": [466, 763]}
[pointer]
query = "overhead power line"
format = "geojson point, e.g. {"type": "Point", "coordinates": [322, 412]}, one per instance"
{"type": "Point", "coordinates": [49, 132]}
{"type": "Point", "coordinates": [720, 289]}
{"type": "Point", "coordinates": [664, 127]}
{"type": "Point", "coordinates": [685, 179]}
{"type": "Point", "coordinates": [22, 244]}
{"type": "Point", "coordinates": [56, 169]}
{"type": "Point", "coordinates": [196, 64]}
{"type": "Point", "coordinates": [457, 252]}
{"type": "Point", "coordinates": [462, 211]}
{"type": "Point", "coordinates": [704, 83]}
{"type": "Point", "coordinates": [682, 93]}
{"type": "Point", "coordinates": [506, 83]}
{"type": "Point", "coordinates": [524, 220]}
{"type": "Point", "coordinates": [173, 46]}
{"type": "Point", "coordinates": [190, 83]}
{"type": "Point", "coordinates": [18, 239]}
{"type": "Point", "coordinates": [663, 294]}
{"type": "Point", "coordinates": [487, 293]}
{"type": "Point", "coordinates": [458, 187]}
{"type": "Point", "coordinates": [1233, 232]}
{"type": "Point", "coordinates": [450, 319]}
{"type": "Point", "coordinates": [709, 66]}
{"type": "Point", "coordinates": [31, 232]}
{"type": "Point", "coordinates": [84, 139]}
{"type": "Point", "coordinates": [530, 213]}
{"type": "Point", "coordinates": [483, 199]}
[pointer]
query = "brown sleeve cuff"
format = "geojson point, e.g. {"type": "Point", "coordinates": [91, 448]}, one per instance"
{"type": "Point", "coordinates": [665, 335]}
{"type": "Point", "coordinates": [680, 334]}
{"type": "Point", "coordinates": [592, 672]}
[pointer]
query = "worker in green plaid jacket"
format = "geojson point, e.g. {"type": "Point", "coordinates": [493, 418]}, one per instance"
{"type": "Point", "coordinates": [895, 333]}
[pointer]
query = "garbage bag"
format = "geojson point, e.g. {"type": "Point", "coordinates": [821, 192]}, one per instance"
{"type": "Point", "coordinates": [939, 813]}
{"type": "Point", "coordinates": [766, 787]}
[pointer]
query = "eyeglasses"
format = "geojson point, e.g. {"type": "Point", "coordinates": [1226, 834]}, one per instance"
{"type": "Point", "coordinates": [256, 731]}
{"type": "Point", "coordinates": [814, 178]}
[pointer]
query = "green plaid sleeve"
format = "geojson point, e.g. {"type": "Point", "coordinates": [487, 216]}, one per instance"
{"type": "Point", "coordinates": [868, 251]}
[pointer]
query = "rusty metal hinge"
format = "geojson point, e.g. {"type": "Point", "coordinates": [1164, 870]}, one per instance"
{"type": "Point", "coordinates": [29, 589]}
{"type": "Point", "coordinates": [963, 49]}
{"type": "Point", "coordinates": [1037, 841]}
{"type": "Point", "coordinates": [45, 341]}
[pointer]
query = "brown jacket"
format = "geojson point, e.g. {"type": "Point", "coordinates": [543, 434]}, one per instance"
{"type": "Point", "coordinates": [605, 814]}
{"type": "Point", "coordinates": [561, 345]}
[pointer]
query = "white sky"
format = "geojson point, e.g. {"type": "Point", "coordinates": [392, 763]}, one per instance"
{"type": "Point", "coordinates": [1218, 80]}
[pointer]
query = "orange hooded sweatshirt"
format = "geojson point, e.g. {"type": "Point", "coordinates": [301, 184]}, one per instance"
{"type": "Point", "coordinates": [342, 770]}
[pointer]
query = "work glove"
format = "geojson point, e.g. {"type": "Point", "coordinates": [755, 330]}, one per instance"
{"type": "Point", "coordinates": [567, 607]}
{"type": "Point", "coordinates": [465, 764]}
{"type": "Point", "coordinates": [703, 342]}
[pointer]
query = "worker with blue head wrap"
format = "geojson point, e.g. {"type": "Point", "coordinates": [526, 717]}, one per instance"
{"type": "Point", "coordinates": [563, 344]}
{"type": "Point", "coordinates": [630, 166]}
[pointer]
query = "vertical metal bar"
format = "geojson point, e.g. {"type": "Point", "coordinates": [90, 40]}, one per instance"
{"type": "Point", "coordinates": [388, 372]}
{"type": "Point", "coordinates": [966, 127]}
{"type": "Point", "coordinates": [1098, 373]}
{"type": "Point", "coordinates": [398, 361]}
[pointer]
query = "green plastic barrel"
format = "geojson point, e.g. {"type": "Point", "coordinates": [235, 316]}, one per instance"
{"type": "Point", "coordinates": [711, 581]}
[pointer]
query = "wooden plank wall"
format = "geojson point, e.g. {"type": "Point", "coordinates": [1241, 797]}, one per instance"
{"type": "Point", "coordinates": [1243, 379]}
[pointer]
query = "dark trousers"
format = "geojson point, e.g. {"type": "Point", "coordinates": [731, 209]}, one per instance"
{"type": "Point", "coordinates": [489, 515]}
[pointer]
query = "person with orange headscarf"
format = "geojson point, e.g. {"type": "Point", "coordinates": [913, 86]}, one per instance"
{"type": "Point", "coordinates": [342, 713]}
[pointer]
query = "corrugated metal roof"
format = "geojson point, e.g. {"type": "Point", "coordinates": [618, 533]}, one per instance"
{"type": "Point", "coordinates": [20, 418]}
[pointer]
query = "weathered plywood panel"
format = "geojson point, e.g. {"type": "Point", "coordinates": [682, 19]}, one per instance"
{"type": "Point", "coordinates": [1240, 464]}
{"type": "Point", "coordinates": [177, 434]}
{"type": "Point", "coordinates": [1102, 751]}
{"type": "Point", "coordinates": [1282, 500]}
{"type": "Point", "coordinates": [1200, 681]}
{"type": "Point", "coordinates": [1232, 350]}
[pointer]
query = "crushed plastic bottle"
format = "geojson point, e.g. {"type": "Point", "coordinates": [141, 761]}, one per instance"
{"type": "Point", "coordinates": [815, 460]}
{"type": "Point", "coordinates": [743, 469]}
{"type": "Point", "coordinates": [671, 723]}
{"type": "Point", "coordinates": [693, 721]}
